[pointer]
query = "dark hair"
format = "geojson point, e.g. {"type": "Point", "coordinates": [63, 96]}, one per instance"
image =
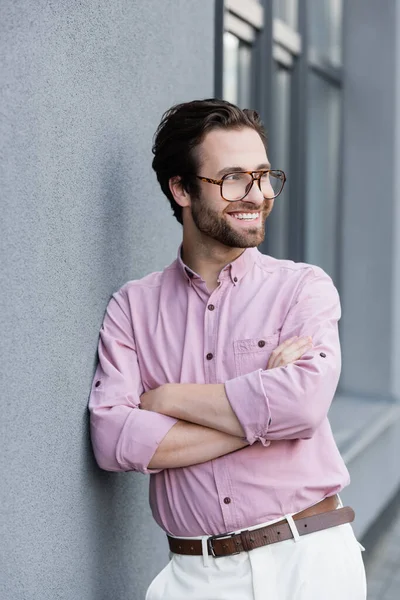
{"type": "Point", "coordinates": [180, 132]}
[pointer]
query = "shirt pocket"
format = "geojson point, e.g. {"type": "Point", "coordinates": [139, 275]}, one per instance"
{"type": "Point", "coordinates": [253, 354]}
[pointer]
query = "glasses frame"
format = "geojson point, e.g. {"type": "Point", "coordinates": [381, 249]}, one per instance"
{"type": "Point", "coordinates": [254, 178]}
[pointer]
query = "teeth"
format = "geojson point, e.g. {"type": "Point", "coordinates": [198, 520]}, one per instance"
{"type": "Point", "coordinates": [246, 216]}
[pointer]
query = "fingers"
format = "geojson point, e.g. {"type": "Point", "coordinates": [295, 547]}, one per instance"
{"type": "Point", "coordinates": [286, 353]}
{"type": "Point", "coordinates": [289, 351]}
{"type": "Point", "coordinates": [294, 352]}
{"type": "Point", "coordinates": [291, 354]}
{"type": "Point", "coordinates": [275, 354]}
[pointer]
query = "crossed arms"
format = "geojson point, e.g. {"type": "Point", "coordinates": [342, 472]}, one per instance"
{"type": "Point", "coordinates": [179, 425]}
{"type": "Point", "coordinates": [208, 426]}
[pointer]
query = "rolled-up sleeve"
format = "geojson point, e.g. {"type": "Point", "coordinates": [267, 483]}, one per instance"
{"type": "Point", "coordinates": [291, 402]}
{"type": "Point", "coordinates": [124, 437]}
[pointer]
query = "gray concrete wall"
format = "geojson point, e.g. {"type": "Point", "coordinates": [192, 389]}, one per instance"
{"type": "Point", "coordinates": [83, 86]}
{"type": "Point", "coordinates": [395, 346]}
{"type": "Point", "coordinates": [369, 261]}
{"type": "Point", "coordinates": [370, 257]}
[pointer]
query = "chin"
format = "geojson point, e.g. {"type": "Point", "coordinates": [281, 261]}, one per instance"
{"type": "Point", "coordinates": [248, 241]}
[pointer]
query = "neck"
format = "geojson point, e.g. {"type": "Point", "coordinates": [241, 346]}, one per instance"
{"type": "Point", "coordinates": [207, 257]}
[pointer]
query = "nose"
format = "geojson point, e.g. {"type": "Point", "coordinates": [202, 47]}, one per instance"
{"type": "Point", "coordinates": [254, 196]}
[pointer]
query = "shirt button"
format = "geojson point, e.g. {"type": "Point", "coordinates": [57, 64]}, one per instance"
{"type": "Point", "coordinates": [235, 279]}
{"type": "Point", "coordinates": [211, 307]}
{"type": "Point", "coordinates": [210, 356]}
{"type": "Point", "coordinates": [261, 343]}
{"type": "Point", "coordinates": [227, 500]}
{"type": "Point", "coordinates": [322, 354]}
{"type": "Point", "coordinates": [97, 383]}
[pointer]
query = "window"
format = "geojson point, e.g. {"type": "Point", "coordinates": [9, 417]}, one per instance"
{"type": "Point", "coordinates": [322, 173]}
{"type": "Point", "coordinates": [238, 70]}
{"type": "Point", "coordinates": [241, 22]}
{"type": "Point", "coordinates": [286, 46]}
{"type": "Point", "coordinates": [283, 58]}
{"type": "Point", "coordinates": [325, 29]}
{"type": "Point", "coordinates": [324, 81]}
{"type": "Point", "coordinates": [286, 10]}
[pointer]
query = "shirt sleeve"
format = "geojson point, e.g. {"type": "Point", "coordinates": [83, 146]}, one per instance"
{"type": "Point", "coordinates": [291, 402]}
{"type": "Point", "coordinates": [124, 437]}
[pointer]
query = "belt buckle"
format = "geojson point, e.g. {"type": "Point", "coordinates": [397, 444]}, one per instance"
{"type": "Point", "coordinates": [222, 536]}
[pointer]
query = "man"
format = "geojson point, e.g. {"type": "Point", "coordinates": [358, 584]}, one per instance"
{"type": "Point", "coordinates": [216, 375]}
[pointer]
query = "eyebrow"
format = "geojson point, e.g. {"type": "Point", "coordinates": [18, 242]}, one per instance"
{"type": "Point", "coordinates": [226, 170]}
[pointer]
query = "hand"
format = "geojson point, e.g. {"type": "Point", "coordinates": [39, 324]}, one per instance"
{"type": "Point", "coordinates": [289, 351]}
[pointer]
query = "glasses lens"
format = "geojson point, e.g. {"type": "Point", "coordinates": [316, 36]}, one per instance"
{"type": "Point", "coordinates": [272, 183]}
{"type": "Point", "coordinates": [236, 185]}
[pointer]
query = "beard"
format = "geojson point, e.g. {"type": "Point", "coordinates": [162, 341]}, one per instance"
{"type": "Point", "coordinates": [217, 227]}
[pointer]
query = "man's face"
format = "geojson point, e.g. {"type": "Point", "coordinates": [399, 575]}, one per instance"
{"type": "Point", "coordinates": [239, 224]}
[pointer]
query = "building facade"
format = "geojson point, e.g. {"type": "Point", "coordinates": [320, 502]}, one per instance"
{"type": "Point", "coordinates": [83, 87]}
{"type": "Point", "coordinates": [324, 75]}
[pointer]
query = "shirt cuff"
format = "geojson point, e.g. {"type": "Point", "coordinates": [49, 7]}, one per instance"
{"type": "Point", "coordinates": [143, 432]}
{"type": "Point", "coordinates": [250, 404]}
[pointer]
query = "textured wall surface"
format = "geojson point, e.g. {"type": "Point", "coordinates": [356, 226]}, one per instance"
{"type": "Point", "coordinates": [370, 258]}
{"type": "Point", "coordinates": [83, 86]}
{"type": "Point", "coordinates": [368, 214]}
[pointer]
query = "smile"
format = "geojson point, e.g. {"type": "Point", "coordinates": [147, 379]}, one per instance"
{"type": "Point", "coordinates": [245, 216]}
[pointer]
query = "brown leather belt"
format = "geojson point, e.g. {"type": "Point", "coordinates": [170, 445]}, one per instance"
{"type": "Point", "coordinates": [321, 516]}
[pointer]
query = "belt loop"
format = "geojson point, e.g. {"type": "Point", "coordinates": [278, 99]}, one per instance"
{"type": "Point", "coordinates": [293, 527]}
{"type": "Point", "coordinates": [204, 548]}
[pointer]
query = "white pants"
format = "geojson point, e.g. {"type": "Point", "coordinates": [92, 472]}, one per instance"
{"type": "Point", "coordinates": [325, 565]}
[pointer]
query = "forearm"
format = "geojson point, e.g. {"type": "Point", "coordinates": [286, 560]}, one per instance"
{"type": "Point", "coordinates": [202, 404]}
{"type": "Point", "coordinates": [290, 402]}
{"type": "Point", "coordinates": [188, 444]}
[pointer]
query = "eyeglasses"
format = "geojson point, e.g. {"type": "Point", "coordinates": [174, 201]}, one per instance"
{"type": "Point", "coordinates": [236, 186]}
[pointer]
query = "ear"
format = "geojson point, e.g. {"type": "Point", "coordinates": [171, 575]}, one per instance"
{"type": "Point", "coordinates": [179, 193]}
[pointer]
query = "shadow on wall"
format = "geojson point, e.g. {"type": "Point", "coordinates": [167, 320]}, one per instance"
{"type": "Point", "coordinates": [117, 218]}
{"type": "Point", "coordinates": [122, 533]}
{"type": "Point", "coordinates": [110, 495]}
{"type": "Point", "coordinates": [123, 537]}
{"type": "Point", "coordinates": [110, 526]}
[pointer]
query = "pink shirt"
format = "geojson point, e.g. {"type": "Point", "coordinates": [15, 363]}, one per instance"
{"type": "Point", "coordinates": [167, 328]}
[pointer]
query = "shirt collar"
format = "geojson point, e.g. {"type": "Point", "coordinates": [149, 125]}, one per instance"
{"type": "Point", "coordinates": [185, 270]}
{"type": "Point", "coordinates": [236, 270]}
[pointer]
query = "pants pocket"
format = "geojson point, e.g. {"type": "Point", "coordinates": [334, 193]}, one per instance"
{"type": "Point", "coordinates": [156, 587]}
{"type": "Point", "coordinates": [355, 549]}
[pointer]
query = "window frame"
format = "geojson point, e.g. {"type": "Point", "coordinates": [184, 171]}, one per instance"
{"type": "Point", "coordinates": [332, 73]}
{"type": "Point", "coordinates": [276, 43]}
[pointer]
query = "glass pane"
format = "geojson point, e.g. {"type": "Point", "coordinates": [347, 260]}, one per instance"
{"type": "Point", "coordinates": [237, 76]}
{"type": "Point", "coordinates": [245, 73]}
{"type": "Point", "coordinates": [231, 69]}
{"type": "Point", "coordinates": [325, 28]}
{"type": "Point", "coordinates": [277, 223]}
{"type": "Point", "coordinates": [287, 11]}
{"type": "Point", "coordinates": [322, 173]}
